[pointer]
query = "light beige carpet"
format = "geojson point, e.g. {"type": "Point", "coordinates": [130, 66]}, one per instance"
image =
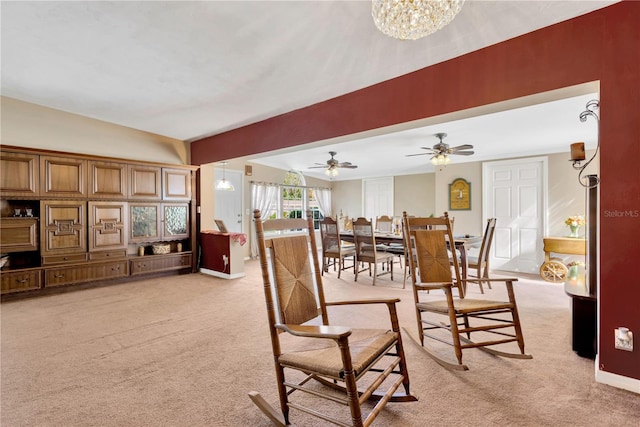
{"type": "Point", "coordinates": [184, 351]}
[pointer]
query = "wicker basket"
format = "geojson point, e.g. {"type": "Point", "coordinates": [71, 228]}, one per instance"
{"type": "Point", "coordinates": [160, 249]}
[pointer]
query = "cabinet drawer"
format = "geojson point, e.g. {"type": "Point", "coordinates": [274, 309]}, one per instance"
{"type": "Point", "coordinates": [18, 234]}
{"type": "Point", "coordinates": [105, 255]}
{"type": "Point", "coordinates": [150, 264]}
{"type": "Point", "coordinates": [85, 273]}
{"type": "Point", "coordinates": [58, 259]}
{"type": "Point", "coordinates": [21, 281]}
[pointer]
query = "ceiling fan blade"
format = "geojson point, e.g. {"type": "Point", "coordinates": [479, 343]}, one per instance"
{"type": "Point", "coordinates": [349, 166]}
{"type": "Point", "coordinates": [419, 154]}
{"type": "Point", "coordinates": [462, 153]}
{"type": "Point", "coordinates": [343, 164]}
{"type": "Point", "coordinates": [461, 147]}
{"type": "Point", "coordinates": [317, 167]}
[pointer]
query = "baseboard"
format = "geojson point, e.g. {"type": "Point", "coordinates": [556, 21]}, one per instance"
{"type": "Point", "coordinates": [618, 381]}
{"type": "Point", "coordinates": [221, 275]}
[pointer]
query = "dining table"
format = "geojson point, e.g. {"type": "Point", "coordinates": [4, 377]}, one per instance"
{"type": "Point", "coordinates": [462, 243]}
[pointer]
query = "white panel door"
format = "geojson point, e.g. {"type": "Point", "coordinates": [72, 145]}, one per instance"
{"type": "Point", "coordinates": [514, 192]}
{"type": "Point", "coordinates": [228, 204]}
{"type": "Point", "coordinates": [377, 194]}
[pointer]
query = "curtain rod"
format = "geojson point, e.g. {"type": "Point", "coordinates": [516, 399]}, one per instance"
{"type": "Point", "coordinates": [287, 185]}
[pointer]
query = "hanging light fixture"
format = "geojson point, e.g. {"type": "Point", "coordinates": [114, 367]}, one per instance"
{"type": "Point", "coordinates": [440, 160]}
{"type": "Point", "coordinates": [413, 19]}
{"type": "Point", "coordinates": [331, 171]}
{"type": "Point", "coordinates": [223, 184]}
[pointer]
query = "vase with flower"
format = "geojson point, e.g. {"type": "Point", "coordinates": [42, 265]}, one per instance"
{"type": "Point", "coordinates": [575, 222]}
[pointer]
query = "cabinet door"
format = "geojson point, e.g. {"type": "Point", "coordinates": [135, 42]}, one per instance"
{"type": "Point", "coordinates": [144, 182]}
{"type": "Point", "coordinates": [175, 221]}
{"type": "Point", "coordinates": [107, 180]}
{"type": "Point", "coordinates": [19, 174]}
{"type": "Point", "coordinates": [18, 234]}
{"type": "Point", "coordinates": [63, 177]}
{"type": "Point", "coordinates": [107, 226]}
{"type": "Point", "coordinates": [176, 184]}
{"type": "Point", "coordinates": [145, 222]}
{"type": "Point", "coordinates": [63, 228]}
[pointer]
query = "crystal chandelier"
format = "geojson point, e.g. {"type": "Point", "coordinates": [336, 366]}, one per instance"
{"type": "Point", "coordinates": [413, 19]}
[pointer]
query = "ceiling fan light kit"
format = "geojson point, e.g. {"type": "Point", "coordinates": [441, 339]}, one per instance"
{"type": "Point", "coordinates": [440, 152]}
{"type": "Point", "coordinates": [332, 165]}
{"type": "Point", "coordinates": [413, 19]}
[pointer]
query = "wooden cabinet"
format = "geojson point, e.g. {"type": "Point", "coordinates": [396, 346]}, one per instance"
{"type": "Point", "coordinates": [63, 177]}
{"type": "Point", "coordinates": [69, 218]}
{"type": "Point", "coordinates": [19, 174]}
{"type": "Point", "coordinates": [145, 182]}
{"type": "Point", "coordinates": [107, 226]}
{"type": "Point", "coordinates": [176, 184]}
{"type": "Point", "coordinates": [107, 180]}
{"type": "Point", "coordinates": [18, 235]}
{"type": "Point", "coordinates": [63, 230]}
{"type": "Point", "coordinates": [158, 263]}
{"type": "Point", "coordinates": [23, 280]}
{"type": "Point", "coordinates": [72, 274]}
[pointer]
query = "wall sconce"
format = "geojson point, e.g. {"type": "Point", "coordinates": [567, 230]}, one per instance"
{"type": "Point", "coordinates": [577, 148]}
{"type": "Point", "coordinates": [577, 154]}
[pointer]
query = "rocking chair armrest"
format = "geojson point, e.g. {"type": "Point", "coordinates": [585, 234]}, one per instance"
{"type": "Point", "coordinates": [316, 331]}
{"type": "Point", "coordinates": [390, 303]}
{"type": "Point", "coordinates": [433, 286]}
{"type": "Point", "coordinates": [508, 280]}
{"type": "Point", "coordinates": [365, 301]}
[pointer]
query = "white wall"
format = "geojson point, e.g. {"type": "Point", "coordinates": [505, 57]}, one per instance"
{"type": "Point", "coordinates": [424, 194]}
{"type": "Point", "coordinates": [34, 126]}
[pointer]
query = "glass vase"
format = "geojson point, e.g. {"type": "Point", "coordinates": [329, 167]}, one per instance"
{"type": "Point", "coordinates": [575, 230]}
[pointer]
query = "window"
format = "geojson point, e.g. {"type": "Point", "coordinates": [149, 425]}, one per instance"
{"type": "Point", "coordinates": [296, 200]}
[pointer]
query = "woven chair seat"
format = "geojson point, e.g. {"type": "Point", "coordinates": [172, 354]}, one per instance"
{"type": "Point", "coordinates": [463, 305]}
{"type": "Point", "coordinates": [323, 355]}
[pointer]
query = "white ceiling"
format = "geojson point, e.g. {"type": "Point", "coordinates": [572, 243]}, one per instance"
{"type": "Point", "coordinates": [192, 69]}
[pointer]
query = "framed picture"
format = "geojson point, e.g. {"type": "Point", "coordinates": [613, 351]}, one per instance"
{"type": "Point", "coordinates": [460, 195]}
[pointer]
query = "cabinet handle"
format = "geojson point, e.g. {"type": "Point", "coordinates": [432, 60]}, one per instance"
{"type": "Point", "coordinates": [58, 276]}
{"type": "Point", "coordinates": [115, 268]}
{"type": "Point", "coordinates": [22, 281]}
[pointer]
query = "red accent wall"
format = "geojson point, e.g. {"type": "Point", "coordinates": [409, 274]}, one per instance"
{"type": "Point", "coordinates": [603, 45]}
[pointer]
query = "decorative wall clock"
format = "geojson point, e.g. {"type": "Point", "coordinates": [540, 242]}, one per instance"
{"type": "Point", "coordinates": [460, 195]}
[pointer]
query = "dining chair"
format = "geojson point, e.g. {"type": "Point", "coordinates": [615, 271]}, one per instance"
{"type": "Point", "coordinates": [478, 262]}
{"type": "Point", "coordinates": [367, 251]}
{"type": "Point", "coordinates": [335, 251]}
{"type": "Point", "coordinates": [384, 223]}
{"type": "Point", "coordinates": [332, 366]}
{"type": "Point", "coordinates": [468, 323]}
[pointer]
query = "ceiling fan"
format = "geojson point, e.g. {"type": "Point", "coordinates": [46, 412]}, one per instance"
{"type": "Point", "coordinates": [441, 151]}
{"type": "Point", "coordinates": [333, 164]}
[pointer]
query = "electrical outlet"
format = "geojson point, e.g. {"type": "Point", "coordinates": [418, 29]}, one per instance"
{"type": "Point", "coordinates": [624, 338]}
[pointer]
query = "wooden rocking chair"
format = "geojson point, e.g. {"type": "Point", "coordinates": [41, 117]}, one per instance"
{"type": "Point", "coordinates": [470, 323]}
{"type": "Point", "coordinates": [306, 345]}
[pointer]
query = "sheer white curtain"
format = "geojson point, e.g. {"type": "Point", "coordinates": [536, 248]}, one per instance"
{"type": "Point", "coordinates": [263, 195]}
{"type": "Point", "coordinates": [323, 197]}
